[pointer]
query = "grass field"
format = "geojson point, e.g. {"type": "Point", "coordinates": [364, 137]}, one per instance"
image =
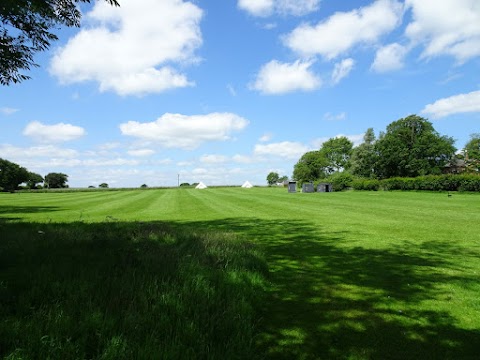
{"type": "Point", "coordinates": [239, 273]}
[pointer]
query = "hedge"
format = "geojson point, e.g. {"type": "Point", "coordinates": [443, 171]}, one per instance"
{"type": "Point", "coordinates": [449, 182]}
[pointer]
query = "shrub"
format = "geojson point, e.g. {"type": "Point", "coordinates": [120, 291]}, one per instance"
{"type": "Point", "coordinates": [447, 182]}
{"type": "Point", "coordinates": [366, 184]}
{"type": "Point", "coordinates": [340, 180]}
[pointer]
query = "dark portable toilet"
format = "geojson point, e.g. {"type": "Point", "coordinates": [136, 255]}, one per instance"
{"type": "Point", "coordinates": [292, 186]}
{"type": "Point", "coordinates": [308, 188]}
{"type": "Point", "coordinates": [324, 187]}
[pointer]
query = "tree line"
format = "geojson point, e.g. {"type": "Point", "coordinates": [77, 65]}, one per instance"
{"type": "Point", "coordinates": [13, 175]}
{"type": "Point", "coordinates": [409, 147]}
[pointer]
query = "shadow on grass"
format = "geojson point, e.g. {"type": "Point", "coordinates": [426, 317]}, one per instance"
{"type": "Point", "coordinates": [119, 290]}
{"type": "Point", "coordinates": [329, 300]}
{"type": "Point", "coordinates": [26, 209]}
{"type": "Point", "coordinates": [141, 287]}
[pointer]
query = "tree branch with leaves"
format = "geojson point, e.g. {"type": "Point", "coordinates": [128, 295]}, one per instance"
{"type": "Point", "coordinates": [26, 27]}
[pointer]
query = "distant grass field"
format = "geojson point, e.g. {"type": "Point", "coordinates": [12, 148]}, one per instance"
{"type": "Point", "coordinates": [182, 273]}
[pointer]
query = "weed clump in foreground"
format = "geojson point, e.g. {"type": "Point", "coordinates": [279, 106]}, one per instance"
{"type": "Point", "coordinates": [126, 290]}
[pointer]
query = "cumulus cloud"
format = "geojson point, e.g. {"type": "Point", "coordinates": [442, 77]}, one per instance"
{"type": "Point", "coordinates": [342, 69]}
{"type": "Point", "coordinates": [8, 110]}
{"type": "Point", "coordinates": [244, 159]}
{"type": "Point", "coordinates": [447, 27]}
{"type": "Point", "coordinates": [389, 58]}
{"type": "Point", "coordinates": [264, 8]}
{"type": "Point", "coordinates": [286, 149]}
{"type": "Point", "coordinates": [185, 163]}
{"type": "Point", "coordinates": [15, 152]}
{"type": "Point", "coordinates": [132, 49]}
{"type": "Point", "coordinates": [109, 162]}
{"type": "Point", "coordinates": [265, 137]}
{"type": "Point", "coordinates": [462, 103]}
{"type": "Point", "coordinates": [279, 78]}
{"type": "Point", "coordinates": [186, 132]}
{"type": "Point", "coordinates": [343, 30]}
{"type": "Point", "coordinates": [53, 133]}
{"type": "Point", "coordinates": [141, 152]}
{"type": "Point", "coordinates": [213, 159]}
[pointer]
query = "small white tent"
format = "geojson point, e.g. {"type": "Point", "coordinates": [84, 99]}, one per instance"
{"type": "Point", "coordinates": [247, 185]}
{"type": "Point", "coordinates": [201, 185]}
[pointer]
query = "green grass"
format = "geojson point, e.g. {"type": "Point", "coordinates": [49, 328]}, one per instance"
{"type": "Point", "coordinates": [180, 273]}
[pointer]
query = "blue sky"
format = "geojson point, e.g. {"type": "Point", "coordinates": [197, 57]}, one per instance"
{"type": "Point", "coordinates": [227, 91]}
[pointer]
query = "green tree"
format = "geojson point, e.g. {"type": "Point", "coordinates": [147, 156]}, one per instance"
{"type": "Point", "coordinates": [26, 28]}
{"type": "Point", "coordinates": [411, 147]}
{"type": "Point", "coordinates": [11, 175]}
{"type": "Point", "coordinates": [143, 186]}
{"type": "Point", "coordinates": [364, 157]}
{"type": "Point", "coordinates": [337, 152]}
{"type": "Point", "coordinates": [472, 153]}
{"type": "Point", "coordinates": [33, 180]}
{"type": "Point", "coordinates": [311, 166]}
{"type": "Point", "coordinates": [103, 186]}
{"type": "Point", "coordinates": [56, 180]}
{"type": "Point", "coordinates": [272, 178]}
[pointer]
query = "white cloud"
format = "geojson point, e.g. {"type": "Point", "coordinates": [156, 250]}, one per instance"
{"type": "Point", "coordinates": [264, 8]}
{"type": "Point", "coordinates": [109, 146]}
{"type": "Point", "coordinates": [14, 152]}
{"type": "Point", "coordinates": [141, 152]}
{"type": "Point", "coordinates": [265, 137]}
{"type": "Point", "coordinates": [343, 30]}
{"type": "Point", "coordinates": [244, 159]}
{"type": "Point", "coordinates": [447, 27]}
{"type": "Point", "coordinates": [335, 117]}
{"type": "Point", "coordinates": [200, 171]}
{"type": "Point", "coordinates": [53, 133]}
{"type": "Point", "coordinates": [462, 103]}
{"type": "Point", "coordinates": [231, 90]}
{"type": "Point", "coordinates": [213, 159]}
{"type": "Point", "coordinates": [166, 161]}
{"type": "Point", "coordinates": [342, 69]}
{"type": "Point", "coordinates": [286, 149]}
{"type": "Point", "coordinates": [270, 26]}
{"type": "Point", "coordinates": [109, 162]}
{"type": "Point", "coordinates": [257, 7]}
{"type": "Point", "coordinates": [135, 46]}
{"type": "Point", "coordinates": [279, 78]}
{"type": "Point", "coordinates": [8, 110]}
{"type": "Point", "coordinates": [389, 58]}
{"type": "Point", "coordinates": [186, 132]}
{"type": "Point", "coordinates": [185, 163]}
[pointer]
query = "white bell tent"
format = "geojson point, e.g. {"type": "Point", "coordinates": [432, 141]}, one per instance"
{"type": "Point", "coordinates": [201, 185]}
{"type": "Point", "coordinates": [247, 185]}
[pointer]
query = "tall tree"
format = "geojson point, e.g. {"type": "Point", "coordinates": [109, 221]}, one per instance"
{"type": "Point", "coordinates": [472, 153]}
{"type": "Point", "coordinates": [272, 178]}
{"type": "Point", "coordinates": [411, 147]}
{"type": "Point", "coordinates": [33, 180]}
{"type": "Point", "coordinates": [337, 152]}
{"type": "Point", "coordinates": [26, 28]}
{"type": "Point", "coordinates": [364, 157]}
{"type": "Point", "coordinates": [56, 180]}
{"type": "Point", "coordinates": [310, 167]}
{"type": "Point", "coordinates": [11, 175]}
